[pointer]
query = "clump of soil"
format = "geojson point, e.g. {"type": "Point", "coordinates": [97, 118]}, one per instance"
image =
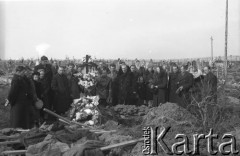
{"type": "Point", "coordinates": [169, 113]}
{"type": "Point", "coordinates": [113, 138]}
{"type": "Point", "coordinates": [131, 110]}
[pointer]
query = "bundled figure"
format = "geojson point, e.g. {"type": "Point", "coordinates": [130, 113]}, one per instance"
{"type": "Point", "coordinates": [103, 88]}
{"type": "Point", "coordinates": [114, 85]}
{"type": "Point", "coordinates": [21, 100]}
{"type": "Point", "coordinates": [148, 77]}
{"type": "Point", "coordinates": [159, 87]}
{"type": "Point", "coordinates": [173, 86]}
{"type": "Point", "coordinates": [61, 88]}
{"type": "Point", "coordinates": [73, 82]}
{"type": "Point", "coordinates": [185, 83]}
{"type": "Point", "coordinates": [126, 86]}
{"type": "Point", "coordinates": [210, 85]}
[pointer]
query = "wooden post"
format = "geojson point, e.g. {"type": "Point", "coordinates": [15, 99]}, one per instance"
{"type": "Point", "coordinates": [226, 41]}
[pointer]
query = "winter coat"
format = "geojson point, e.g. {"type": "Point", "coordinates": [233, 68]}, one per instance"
{"type": "Point", "coordinates": [172, 87]}
{"type": "Point", "coordinates": [210, 86]}
{"type": "Point", "coordinates": [103, 87]}
{"type": "Point", "coordinates": [46, 93]}
{"type": "Point", "coordinates": [114, 88]}
{"type": "Point", "coordinates": [148, 78]}
{"type": "Point", "coordinates": [185, 80]}
{"type": "Point", "coordinates": [62, 98]}
{"type": "Point", "coordinates": [142, 90]}
{"type": "Point", "coordinates": [74, 87]}
{"type": "Point", "coordinates": [38, 88]}
{"type": "Point", "coordinates": [159, 95]}
{"type": "Point", "coordinates": [21, 99]}
{"type": "Point", "coordinates": [126, 88]}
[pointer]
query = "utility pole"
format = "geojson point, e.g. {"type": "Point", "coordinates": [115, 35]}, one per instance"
{"type": "Point", "coordinates": [211, 48]}
{"type": "Point", "coordinates": [226, 41]}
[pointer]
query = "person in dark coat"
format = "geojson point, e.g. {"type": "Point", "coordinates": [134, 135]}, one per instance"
{"type": "Point", "coordinates": [54, 67]}
{"type": "Point", "coordinates": [48, 74]}
{"type": "Point", "coordinates": [141, 71]}
{"type": "Point", "coordinates": [185, 82]}
{"type": "Point", "coordinates": [134, 72]}
{"type": "Point", "coordinates": [47, 68]}
{"type": "Point", "coordinates": [114, 78]}
{"type": "Point", "coordinates": [21, 100]}
{"type": "Point", "coordinates": [38, 89]}
{"type": "Point", "coordinates": [34, 115]}
{"type": "Point", "coordinates": [73, 82]}
{"type": "Point", "coordinates": [173, 78]}
{"type": "Point", "coordinates": [103, 88]}
{"type": "Point", "coordinates": [210, 85]}
{"type": "Point", "coordinates": [120, 71]}
{"type": "Point", "coordinates": [141, 91]}
{"type": "Point", "coordinates": [159, 87]}
{"type": "Point", "coordinates": [197, 83]}
{"type": "Point", "coordinates": [126, 87]}
{"type": "Point", "coordinates": [61, 88]}
{"type": "Point", "coordinates": [135, 75]}
{"type": "Point", "coordinates": [45, 94]}
{"type": "Point", "coordinates": [37, 84]}
{"type": "Point", "coordinates": [148, 78]}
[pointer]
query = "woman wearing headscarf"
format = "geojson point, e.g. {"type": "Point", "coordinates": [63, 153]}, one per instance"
{"type": "Point", "coordinates": [21, 100]}
{"type": "Point", "coordinates": [159, 86]}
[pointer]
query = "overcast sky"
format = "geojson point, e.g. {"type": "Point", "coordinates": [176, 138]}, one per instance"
{"type": "Point", "coordinates": [158, 29]}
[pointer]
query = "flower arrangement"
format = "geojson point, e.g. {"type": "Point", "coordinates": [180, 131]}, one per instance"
{"type": "Point", "coordinates": [87, 80]}
{"type": "Point", "coordinates": [85, 110]}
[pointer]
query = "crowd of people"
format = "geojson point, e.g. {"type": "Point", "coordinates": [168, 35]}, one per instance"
{"type": "Point", "coordinates": [57, 86]}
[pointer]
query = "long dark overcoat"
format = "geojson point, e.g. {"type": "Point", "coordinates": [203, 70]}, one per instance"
{"type": "Point", "coordinates": [172, 87]}
{"type": "Point", "coordinates": [210, 87]}
{"type": "Point", "coordinates": [142, 90]}
{"type": "Point", "coordinates": [46, 93]}
{"type": "Point", "coordinates": [74, 87]}
{"type": "Point", "coordinates": [126, 88]}
{"type": "Point", "coordinates": [159, 95]}
{"type": "Point", "coordinates": [21, 100]}
{"type": "Point", "coordinates": [186, 80]}
{"type": "Point", "coordinates": [48, 80]}
{"type": "Point", "coordinates": [62, 98]}
{"type": "Point", "coordinates": [148, 77]}
{"type": "Point", "coordinates": [114, 79]}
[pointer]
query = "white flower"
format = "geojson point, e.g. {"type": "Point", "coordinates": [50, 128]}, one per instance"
{"type": "Point", "coordinates": [88, 111]}
{"type": "Point", "coordinates": [78, 115]}
{"type": "Point", "coordinates": [90, 122]}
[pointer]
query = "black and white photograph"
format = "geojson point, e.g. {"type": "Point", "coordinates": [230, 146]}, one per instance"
{"type": "Point", "coordinates": [119, 77]}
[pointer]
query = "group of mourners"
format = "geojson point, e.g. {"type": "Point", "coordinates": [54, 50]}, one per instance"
{"type": "Point", "coordinates": [57, 86]}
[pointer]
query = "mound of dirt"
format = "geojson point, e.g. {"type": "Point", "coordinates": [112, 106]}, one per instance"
{"type": "Point", "coordinates": [168, 114]}
{"type": "Point", "coordinates": [131, 110]}
{"type": "Point", "coordinates": [112, 138]}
